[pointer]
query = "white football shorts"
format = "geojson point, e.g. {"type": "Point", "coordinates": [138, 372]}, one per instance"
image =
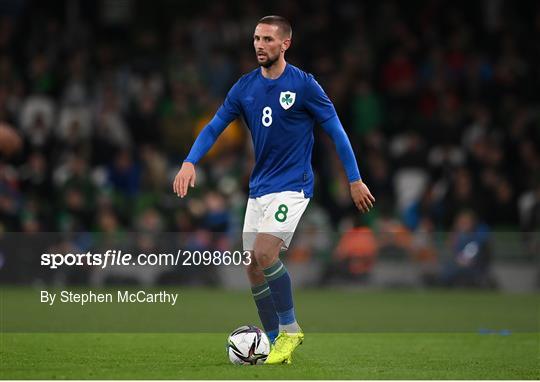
{"type": "Point", "coordinates": [276, 214]}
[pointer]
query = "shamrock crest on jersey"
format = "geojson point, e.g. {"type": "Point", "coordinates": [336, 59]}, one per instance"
{"type": "Point", "coordinates": [286, 99]}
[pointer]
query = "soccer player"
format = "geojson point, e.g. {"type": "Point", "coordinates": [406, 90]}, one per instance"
{"type": "Point", "coordinates": [280, 105]}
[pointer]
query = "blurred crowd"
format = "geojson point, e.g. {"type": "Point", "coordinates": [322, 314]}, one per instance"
{"type": "Point", "coordinates": [440, 101]}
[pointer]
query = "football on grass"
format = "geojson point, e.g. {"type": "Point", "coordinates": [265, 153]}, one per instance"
{"type": "Point", "coordinates": [248, 345]}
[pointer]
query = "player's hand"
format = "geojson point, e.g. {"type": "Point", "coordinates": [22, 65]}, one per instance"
{"type": "Point", "coordinates": [361, 196]}
{"type": "Point", "coordinates": [184, 178]}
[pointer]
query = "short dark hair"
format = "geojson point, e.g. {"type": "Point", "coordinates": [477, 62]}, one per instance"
{"type": "Point", "coordinates": [281, 22]}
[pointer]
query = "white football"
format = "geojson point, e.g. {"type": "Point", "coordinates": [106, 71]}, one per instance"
{"type": "Point", "coordinates": [248, 345]}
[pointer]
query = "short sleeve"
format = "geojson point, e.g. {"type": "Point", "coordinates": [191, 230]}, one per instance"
{"type": "Point", "coordinates": [231, 107]}
{"type": "Point", "coordinates": [317, 102]}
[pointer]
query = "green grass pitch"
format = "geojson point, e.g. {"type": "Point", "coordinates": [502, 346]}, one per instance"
{"type": "Point", "coordinates": [349, 335]}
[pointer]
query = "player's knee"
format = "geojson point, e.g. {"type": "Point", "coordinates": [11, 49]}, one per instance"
{"type": "Point", "coordinates": [266, 249]}
{"type": "Point", "coordinates": [264, 257]}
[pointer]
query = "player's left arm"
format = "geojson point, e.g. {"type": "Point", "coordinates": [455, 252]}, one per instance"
{"type": "Point", "coordinates": [359, 191]}
{"type": "Point", "coordinates": [318, 104]}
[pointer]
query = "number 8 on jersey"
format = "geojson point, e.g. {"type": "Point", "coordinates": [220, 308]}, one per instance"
{"type": "Point", "coordinates": [267, 116]}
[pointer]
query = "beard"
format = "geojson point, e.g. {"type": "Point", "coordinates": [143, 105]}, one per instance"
{"type": "Point", "coordinates": [269, 61]}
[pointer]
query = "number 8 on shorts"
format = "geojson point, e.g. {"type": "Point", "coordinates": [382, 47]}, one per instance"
{"type": "Point", "coordinates": [276, 214]}
{"type": "Point", "coordinates": [281, 214]}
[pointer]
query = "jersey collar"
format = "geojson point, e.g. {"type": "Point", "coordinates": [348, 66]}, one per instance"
{"type": "Point", "coordinates": [271, 81]}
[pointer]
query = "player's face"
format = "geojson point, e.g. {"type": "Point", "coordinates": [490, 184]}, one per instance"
{"type": "Point", "coordinates": [269, 44]}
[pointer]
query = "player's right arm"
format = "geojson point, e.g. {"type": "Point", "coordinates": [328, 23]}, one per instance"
{"type": "Point", "coordinates": [227, 113]}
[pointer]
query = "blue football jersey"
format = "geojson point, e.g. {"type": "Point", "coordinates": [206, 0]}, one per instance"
{"type": "Point", "coordinates": [280, 115]}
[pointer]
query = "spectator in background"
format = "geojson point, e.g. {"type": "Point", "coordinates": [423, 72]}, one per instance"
{"type": "Point", "coordinates": [216, 218]}
{"type": "Point", "coordinates": [11, 90]}
{"type": "Point", "coordinates": [424, 251]}
{"type": "Point", "coordinates": [529, 213]}
{"type": "Point", "coordinates": [378, 171]}
{"type": "Point", "coordinates": [75, 127]}
{"type": "Point", "coordinates": [149, 221]}
{"type": "Point", "coordinates": [11, 199]}
{"type": "Point", "coordinates": [143, 120]}
{"type": "Point", "coordinates": [506, 213]}
{"type": "Point", "coordinates": [76, 198]}
{"type": "Point", "coordinates": [76, 89]}
{"type": "Point", "coordinates": [411, 178]}
{"type": "Point", "coordinates": [354, 257]}
{"type": "Point", "coordinates": [175, 129]}
{"type": "Point", "coordinates": [460, 196]}
{"type": "Point", "coordinates": [399, 83]}
{"type": "Point", "coordinates": [124, 174]}
{"type": "Point", "coordinates": [41, 78]}
{"type": "Point", "coordinates": [153, 170]}
{"type": "Point", "coordinates": [147, 232]}
{"type": "Point", "coordinates": [529, 163]}
{"type": "Point", "coordinates": [111, 130]}
{"type": "Point", "coordinates": [393, 237]}
{"type": "Point", "coordinates": [110, 229]}
{"type": "Point", "coordinates": [471, 253]}
{"type": "Point", "coordinates": [428, 208]}
{"type": "Point", "coordinates": [36, 120]}
{"type": "Point", "coordinates": [367, 110]}
{"type": "Point", "coordinates": [35, 177]}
